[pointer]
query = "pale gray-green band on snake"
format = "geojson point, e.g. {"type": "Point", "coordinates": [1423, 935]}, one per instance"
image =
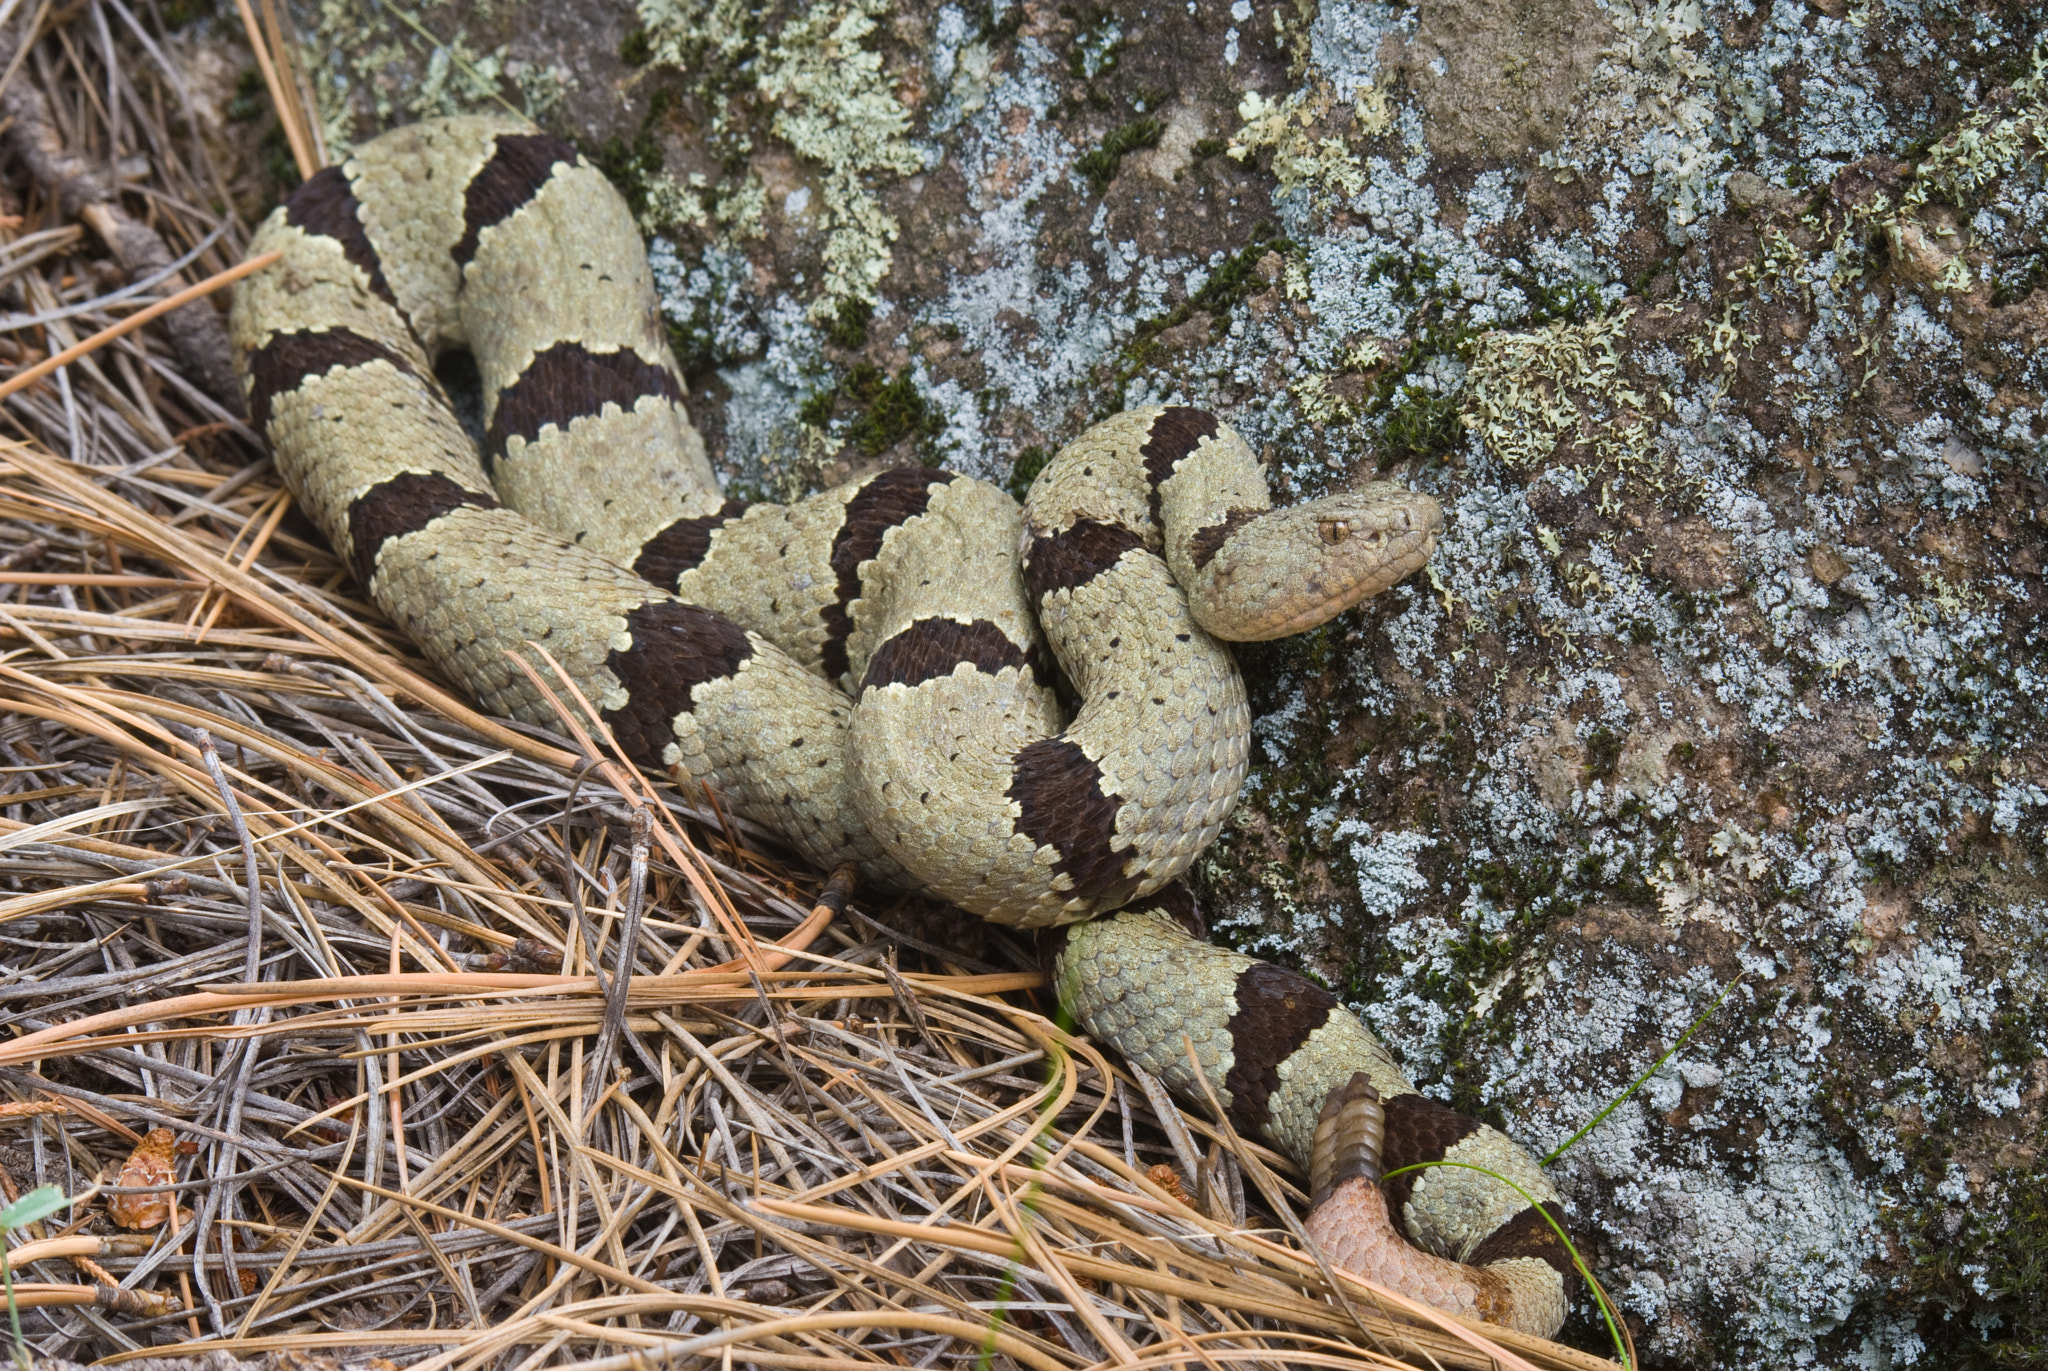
{"type": "Point", "coordinates": [873, 672]}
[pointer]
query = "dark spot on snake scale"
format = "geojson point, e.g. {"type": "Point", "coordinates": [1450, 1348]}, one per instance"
{"type": "Point", "coordinates": [327, 205]}
{"type": "Point", "coordinates": [289, 358]}
{"type": "Point", "coordinates": [1277, 1010]}
{"type": "Point", "coordinates": [1205, 543]}
{"type": "Point", "coordinates": [520, 166]}
{"type": "Point", "coordinates": [1419, 1129]}
{"type": "Point", "coordinates": [894, 497]}
{"type": "Point", "coordinates": [933, 647]}
{"type": "Point", "coordinates": [675, 648]}
{"type": "Point", "coordinates": [1063, 806]}
{"type": "Point", "coordinates": [404, 504]}
{"type": "Point", "coordinates": [682, 546]}
{"type": "Point", "coordinates": [1074, 557]}
{"type": "Point", "coordinates": [1177, 432]}
{"type": "Point", "coordinates": [1526, 1235]}
{"type": "Point", "coordinates": [567, 382]}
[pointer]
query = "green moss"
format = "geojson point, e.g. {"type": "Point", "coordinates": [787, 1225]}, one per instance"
{"type": "Point", "coordinates": [663, 102]}
{"type": "Point", "coordinates": [1210, 147]}
{"type": "Point", "coordinates": [1100, 166]}
{"type": "Point", "coordinates": [1420, 423]}
{"type": "Point", "coordinates": [1235, 279]}
{"type": "Point", "coordinates": [636, 49]}
{"type": "Point", "coordinates": [1004, 19]}
{"type": "Point", "coordinates": [895, 411]}
{"type": "Point", "coordinates": [885, 410]}
{"type": "Point", "coordinates": [1987, 1279]}
{"type": "Point", "coordinates": [2015, 280]}
{"type": "Point", "coordinates": [1025, 470]}
{"type": "Point", "coordinates": [251, 103]}
{"type": "Point", "coordinates": [250, 100]}
{"type": "Point", "coordinates": [1571, 302]}
{"type": "Point", "coordinates": [1096, 49]}
{"type": "Point", "coordinates": [1226, 287]}
{"type": "Point", "coordinates": [178, 13]}
{"type": "Point", "coordinates": [849, 327]}
{"type": "Point", "coordinates": [632, 167]}
{"type": "Point", "coordinates": [816, 411]}
{"type": "Point", "coordinates": [1603, 752]}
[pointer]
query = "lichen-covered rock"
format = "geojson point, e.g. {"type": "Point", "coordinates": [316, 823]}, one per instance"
{"type": "Point", "coordinates": [1719, 331]}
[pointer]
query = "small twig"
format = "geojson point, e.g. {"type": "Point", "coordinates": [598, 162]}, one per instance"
{"type": "Point", "coordinates": [133, 288]}
{"type": "Point", "coordinates": [252, 956]}
{"type": "Point", "coordinates": [135, 321]}
{"type": "Point", "coordinates": [624, 948]}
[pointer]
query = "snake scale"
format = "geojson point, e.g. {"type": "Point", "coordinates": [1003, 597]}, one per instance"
{"type": "Point", "coordinates": [872, 672]}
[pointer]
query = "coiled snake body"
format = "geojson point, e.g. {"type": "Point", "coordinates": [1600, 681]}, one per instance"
{"type": "Point", "coordinates": [864, 671]}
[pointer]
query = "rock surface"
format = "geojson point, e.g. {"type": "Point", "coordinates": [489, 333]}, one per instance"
{"type": "Point", "coordinates": [1717, 329]}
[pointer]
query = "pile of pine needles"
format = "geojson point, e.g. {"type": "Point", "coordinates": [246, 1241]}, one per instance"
{"type": "Point", "coordinates": [355, 1024]}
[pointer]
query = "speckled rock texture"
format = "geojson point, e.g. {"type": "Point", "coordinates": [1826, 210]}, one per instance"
{"type": "Point", "coordinates": [1718, 331]}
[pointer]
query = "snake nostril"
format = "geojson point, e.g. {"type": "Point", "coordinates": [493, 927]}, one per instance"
{"type": "Point", "coordinates": [1335, 531]}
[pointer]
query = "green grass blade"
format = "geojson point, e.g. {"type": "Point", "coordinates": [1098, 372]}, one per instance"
{"type": "Point", "coordinates": [1599, 1296]}
{"type": "Point", "coordinates": [1655, 1066]}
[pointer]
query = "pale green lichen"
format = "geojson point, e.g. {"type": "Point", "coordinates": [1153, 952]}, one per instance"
{"type": "Point", "coordinates": [1973, 155]}
{"type": "Point", "coordinates": [1325, 165]}
{"type": "Point", "coordinates": [835, 106]}
{"type": "Point", "coordinates": [1654, 94]}
{"type": "Point", "coordinates": [841, 111]}
{"type": "Point", "coordinates": [1319, 404]}
{"type": "Point", "coordinates": [671, 202]}
{"type": "Point", "coordinates": [1983, 148]}
{"type": "Point", "coordinates": [733, 208]}
{"type": "Point", "coordinates": [1527, 392]}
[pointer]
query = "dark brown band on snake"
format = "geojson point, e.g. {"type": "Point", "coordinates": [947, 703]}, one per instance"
{"type": "Point", "coordinates": [518, 169]}
{"type": "Point", "coordinates": [324, 204]}
{"type": "Point", "coordinates": [1175, 435]}
{"type": "Point", "coordinates": [1277, 1012]}
{"type": "Point", "coordinates": [403, 505]}
{"type": "Point", "coordinates": [673, 649]}
{"type": "Point", "coordinates": [287, 359]}
{"type": "Point", "coordinates": [1419, 1130]}
{"type": "Point", "coordinates": [1063, 806]}
{"type": "Point", "coordinates": [566, 383]}
{"type": "Point", "coordinates": [683, 545]}
{"type": "Point", "coordinates": [891, 499]}
{"type": "Point", "coordinates": [1074, 556]}
{"type": "Point", "coordinates": [1209, 540]}
{"type": "Point", "coordinates": [934, 647]}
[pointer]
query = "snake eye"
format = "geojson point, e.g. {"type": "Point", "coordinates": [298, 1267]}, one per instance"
{"type": "Point", "coordinates": [1335, 531]}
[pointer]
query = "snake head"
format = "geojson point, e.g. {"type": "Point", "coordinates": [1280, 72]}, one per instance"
{"type": "Point", "coordinates": [1287, 570]}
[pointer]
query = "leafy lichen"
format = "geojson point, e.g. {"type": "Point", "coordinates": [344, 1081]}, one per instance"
{"type": "Point", "coordinates": [1529, 391]}
{"type": "Point", "coordinates": [839, 110]}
